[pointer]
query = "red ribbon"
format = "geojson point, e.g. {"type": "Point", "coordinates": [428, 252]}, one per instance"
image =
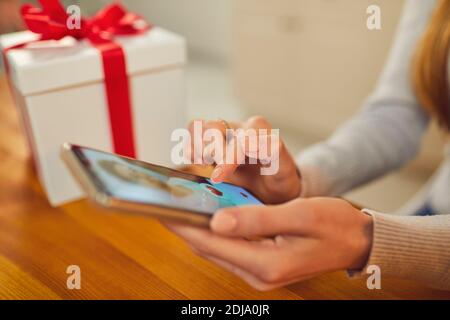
{"type": "Point", "coordinates": [50, 22]}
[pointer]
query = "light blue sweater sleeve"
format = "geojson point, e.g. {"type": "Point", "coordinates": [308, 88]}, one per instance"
{"type": "Point", "coordinates": [386, 133]}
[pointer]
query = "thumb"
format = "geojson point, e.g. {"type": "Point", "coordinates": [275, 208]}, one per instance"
{"type": "Point", "coordinates": [293, 218]}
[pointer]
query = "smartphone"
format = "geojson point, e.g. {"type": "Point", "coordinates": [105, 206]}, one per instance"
{"type": "Point", "coordinates": [122, 183]}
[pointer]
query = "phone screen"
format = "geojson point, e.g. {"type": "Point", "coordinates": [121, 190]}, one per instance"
{"type": "Point", "coordinates": [137, 181]}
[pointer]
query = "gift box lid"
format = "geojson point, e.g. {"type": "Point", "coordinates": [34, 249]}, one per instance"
{"type": "Point", "coordinates": [54, 65]}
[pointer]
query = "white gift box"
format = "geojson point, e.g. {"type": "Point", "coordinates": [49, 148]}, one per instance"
{"type": "Point", "coordinates": [60, 94]}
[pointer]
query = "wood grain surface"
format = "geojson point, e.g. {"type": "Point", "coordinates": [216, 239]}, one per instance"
{"type": "Point", "coordinates": [122, 256]}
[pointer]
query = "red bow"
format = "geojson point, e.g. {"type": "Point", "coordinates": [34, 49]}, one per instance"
{"type": "Point", "coordinates": [51, 20]}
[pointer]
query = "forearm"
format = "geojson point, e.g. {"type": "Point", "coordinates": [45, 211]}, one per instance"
{"type": "Point", "coordinates": [416, 248]}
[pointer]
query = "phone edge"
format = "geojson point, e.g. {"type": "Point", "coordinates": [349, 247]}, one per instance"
{"type": "Point", "coordinates": [108, 202]}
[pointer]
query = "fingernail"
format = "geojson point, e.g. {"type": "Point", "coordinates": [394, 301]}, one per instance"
{"type": "Point", "coordinates": [224, 222]}
{"type": "Point", "coordinates": [216, 173]}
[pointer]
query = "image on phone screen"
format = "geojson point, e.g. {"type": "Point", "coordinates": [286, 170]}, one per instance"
{"type": "Point", "coordinates": [136, 181]}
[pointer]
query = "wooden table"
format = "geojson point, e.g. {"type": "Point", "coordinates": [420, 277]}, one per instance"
{"type": "Point", "coordinates": [121, 256]}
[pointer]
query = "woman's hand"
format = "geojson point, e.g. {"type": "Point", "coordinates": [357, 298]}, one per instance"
{"type": "Point", "coordinates": [298, 240]}
{"type": "Point", "coordinates": [277, 188]}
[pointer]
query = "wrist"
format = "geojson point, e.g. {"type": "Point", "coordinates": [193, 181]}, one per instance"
{"type": "Point", "coordinates": [363, 242]}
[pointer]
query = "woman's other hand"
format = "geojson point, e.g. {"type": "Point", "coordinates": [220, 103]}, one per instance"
{"type": "Point", "coordinates": [298, 240]}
